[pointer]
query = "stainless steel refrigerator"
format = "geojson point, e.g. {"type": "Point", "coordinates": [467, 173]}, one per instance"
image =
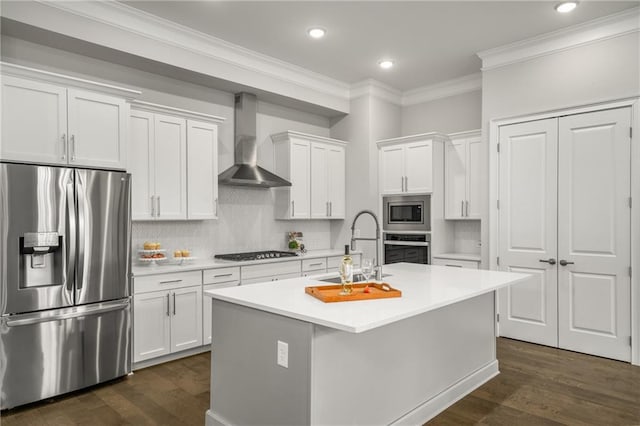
{"type": "Point", "coordinates": [65, 315]}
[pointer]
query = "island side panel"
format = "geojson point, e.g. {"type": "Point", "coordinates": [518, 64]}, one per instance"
{"type": "Point", "coordinates": [381, 375]}
{"type": "Point", "coordinates": [247, 385]}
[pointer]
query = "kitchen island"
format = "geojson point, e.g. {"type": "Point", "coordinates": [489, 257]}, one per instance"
{"type": "Point", "coordinates": [281, 356]}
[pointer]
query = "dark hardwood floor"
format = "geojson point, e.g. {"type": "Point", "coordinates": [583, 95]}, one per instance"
{"type": "Point", "coordinates": [537, 386]}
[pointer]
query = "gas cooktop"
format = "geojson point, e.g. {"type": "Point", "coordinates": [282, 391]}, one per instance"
{"type": "Point", "coordinates": [255, 255]}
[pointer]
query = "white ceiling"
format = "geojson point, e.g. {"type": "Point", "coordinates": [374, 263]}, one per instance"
{"type": "Point", "coordinates": [430, 41]}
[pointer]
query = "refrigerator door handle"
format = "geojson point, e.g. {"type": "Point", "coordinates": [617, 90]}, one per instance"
{"type": "Point", "coordinates": [71, 238]}
{"type": "Point", "coordinates": [79, 311]}
{"type": "Point", "coordinates": [82, 199]}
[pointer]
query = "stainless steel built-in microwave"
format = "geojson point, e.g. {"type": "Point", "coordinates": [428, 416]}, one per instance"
{"type": "Point", "coordinates": [407, 213]}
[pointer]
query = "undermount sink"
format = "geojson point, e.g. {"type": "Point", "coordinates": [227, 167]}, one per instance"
{"type": "Point", "coordinates": [356, 278]}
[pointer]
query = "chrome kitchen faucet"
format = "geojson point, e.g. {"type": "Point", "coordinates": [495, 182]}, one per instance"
{"type": "Point", "coordinates": [377, 239]}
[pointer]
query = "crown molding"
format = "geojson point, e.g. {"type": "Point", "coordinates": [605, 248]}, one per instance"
{"type": "Point", "coordinates": [456, 86]}
{"type": "Point", "coordinates": [434, 136]}
{"type": "Point", "coordinates": [376, 89]}
{"type": "Point", "coordinates": [287, 135]}
{"type": "Point", "coordinates": [121, 27]}
{"type": "Point", "coordinates": [184, 113]}
{"type": "Point", "coordinates": [604, 28]}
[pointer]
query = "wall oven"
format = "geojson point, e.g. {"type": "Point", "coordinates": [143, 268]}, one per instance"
{"type": "Point", "coordinates": [411, 248]}
{"type": "Point", "coordinates": [406, 213]}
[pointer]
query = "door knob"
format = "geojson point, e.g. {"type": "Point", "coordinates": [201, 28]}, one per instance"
{"type": "Point", "coordinates": [565, 263]}
{"type": "Point", "coordinates": [550, 261]}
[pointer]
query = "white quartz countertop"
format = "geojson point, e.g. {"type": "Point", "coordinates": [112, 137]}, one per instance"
{"type": "Point", "coordinates": [163, 268]}
{"type": "Point", "coordinates": [424, 288]}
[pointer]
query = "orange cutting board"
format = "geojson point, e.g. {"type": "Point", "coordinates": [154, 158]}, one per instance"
{"type": "Point", "coordinates": [331, 293]}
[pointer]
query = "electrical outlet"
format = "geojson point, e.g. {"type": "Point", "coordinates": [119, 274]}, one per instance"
{"type": "Point", "coordinates": [283, 354]}
{"type": "Point", "coordinates": [478, 243]}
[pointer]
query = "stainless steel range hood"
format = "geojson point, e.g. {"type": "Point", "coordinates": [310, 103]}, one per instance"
{"type": "Point", "coordinates": [245, 171]}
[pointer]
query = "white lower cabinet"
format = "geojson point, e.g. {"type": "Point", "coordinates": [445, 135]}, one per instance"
{"type": "Point", "coordinates": [167, 314]}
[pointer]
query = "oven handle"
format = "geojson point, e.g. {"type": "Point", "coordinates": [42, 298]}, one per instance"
{"type": "Point", "coordinates": [406, 243]}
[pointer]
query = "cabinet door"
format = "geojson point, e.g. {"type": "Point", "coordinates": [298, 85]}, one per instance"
{"type": "Point", "coordinates": [455, 179]}
{"type": "Point", "coordinates": [186, 319]}
{"type": "Point", "coordinates": [170, 168]}
{"type": "Point", "coordinates": [319, 181]}
{"type": "Point", "coordinates": [300, 179]}
{"type": "Point", "coordinates": [141, 154]}
{"type": "Point", "coordinates": [34, 121]}
{"type": "Point", "coordinates": [474, 159]}
{"type": "Point", "coordinates": [151, 325]}
{"type": "Point", "coordinates": [336, 182]}
{"type": "Point", "coordinates": [97, 129]}
{"type": "Point", "coordinates": [391, 169]}
{"type": "Point", "coordinates": [418, 167]}
{"type": "Point", "coordinates": [202, 170]}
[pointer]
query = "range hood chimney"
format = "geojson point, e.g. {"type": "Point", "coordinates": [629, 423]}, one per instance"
{"type": "Point", "coordinates": [245, 171]}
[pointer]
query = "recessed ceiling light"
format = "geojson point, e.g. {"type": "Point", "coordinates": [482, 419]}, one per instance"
{"type": "Point", "coordinates": [385, 64]}
{"type": "Point", "coordinates": [566, 6]}
{"type": "Point", "coordinates": [316, 32]}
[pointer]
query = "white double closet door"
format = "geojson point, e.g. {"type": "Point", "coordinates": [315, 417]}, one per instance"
{"type": "Point", "coordinates": [564, 217]}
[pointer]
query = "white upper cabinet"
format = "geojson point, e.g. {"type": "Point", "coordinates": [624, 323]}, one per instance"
{"type": "Point", "coordinates": [174, 164]}
{"type": "Point", "coordinates": [462, 176]}
{"type": "Point", "coordinates": [406, 164]}
{"type": "Point", "coordinates": [54, 119]}
{"type": "Point", "coordinates": [202, 170]}
{"type": "Point", "coordinates": [315, 166]}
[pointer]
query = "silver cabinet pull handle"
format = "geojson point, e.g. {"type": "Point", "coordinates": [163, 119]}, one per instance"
{"type": "Point", "coordinates": [466, 208]}
{"type": "Point", "coordinates": [327, 207]}
{"type": "Point", "coordinates": [453, 266]}
{"type": "Point", "coordinates": [550, 261]}
{"type": "Point", "coordinates": [174, 303]}
{"type": "Point", "coordinates": [73, 148]}
{"type": "Point", "coordinates": [406, 184]}
{"type": "Point", "coordinates": [168, 313]}
{"type": "Point", "coordinates": [565, 263]}
{"type": "Point", "coordinates": [293, 208]}
{"type": "Point", "coordinates": [153, 206]}
{"type": "Point", "coordinates": [64, 146]}
{"type": "Point", "coordinates": [402, 183]}
{"type": "Point", "coordinates": [331, 208]}
{"type": "Point", "coordinates": [222, 275]}
{"type": "Point", "coordinates": [462, 208]}
{"type": "Point", "coordinates": [170, 281]}
{"type": "Point", "coordinates": [216, 201]}
{"type": "Point", "coordinates": [316, 264]}
{"type": "Point", "coordinates": [158, 201]}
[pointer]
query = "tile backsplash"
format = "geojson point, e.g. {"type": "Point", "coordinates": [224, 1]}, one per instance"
{"type": "Point", "coordinates": [245, 223]}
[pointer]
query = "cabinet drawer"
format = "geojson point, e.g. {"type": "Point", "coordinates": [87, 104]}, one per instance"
{"type": "Point", "coordinates": [270, 278]}
{"type": "Point", "coordinates": [318, 264]}
{"type": "Point", "coordinates": [221, 275]}
{"type": "Point", "coordinates": [471, 264]}
{"type": "Point", "coordinates": [270, 269]}
{"type": "Point", "coordinates": [166, 281]}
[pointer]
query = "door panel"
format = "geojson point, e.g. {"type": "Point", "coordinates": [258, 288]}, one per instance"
{"type": "Point", "coordinates": [337, 182]}
{"type": "Point", "coordinates": [97, 126]}
{"type": "Point", "coordinates": [140, 165]}
{"type": "Point", "coordinates": [300, 176]}
{"type": "Point", "coordinates": [528, 205]}
{"type": "Point", "coordinates": [186, 322]}
{"type": "Point", "coordinates": [202, 169]}
{"type": "Point", "coordinates": [418, 161]}
{"type": "Point", "coordinates": [35, 199]}
{"type": "Point", "coordinates": [594, 233]}
{"type": "Point", "coordinates": [392, 173]}
{"type": "Point", "coordinates": [455, 194]}
{"type": "Point", "coordinates": [170, 168]}
{"type": "Point", "coordinates": [103, 236]}
{"type": "Point", "coordinates": [319, 183]}
{"type": "Point", "coordinates": [151, 325]}
{"type": "Point", "coordinates": [474, 160]}
{"type": "Point", "coordinates": [34, 121]}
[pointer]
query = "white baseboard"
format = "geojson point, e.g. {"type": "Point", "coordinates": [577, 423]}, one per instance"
{"type": "Point", "coordinates": [449, 396]}
{"type": "Point", "coordinates": [171, 357]}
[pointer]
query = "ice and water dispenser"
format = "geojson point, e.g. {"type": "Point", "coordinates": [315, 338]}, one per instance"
{"type": "Point", "coordinates": [41, 259]}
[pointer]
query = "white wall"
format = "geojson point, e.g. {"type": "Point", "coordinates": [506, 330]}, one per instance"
{"type": "Point", "coordinates": [446, 115]}
{"type": "Point", "coordinates": [246, 216]}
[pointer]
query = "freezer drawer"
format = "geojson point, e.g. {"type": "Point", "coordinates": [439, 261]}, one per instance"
{"type": "Point", "coordinates": [54, 352]}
